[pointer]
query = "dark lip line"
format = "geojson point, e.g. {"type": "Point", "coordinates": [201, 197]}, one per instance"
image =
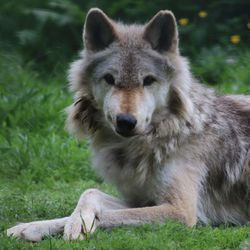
{"type": "Point", "coordinates": [125, 136]}
{"type": "Point", "coordinates": [135, 134]}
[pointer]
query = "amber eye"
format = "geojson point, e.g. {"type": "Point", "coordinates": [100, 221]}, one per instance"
{"type": "Point", "coordinates": [109, 79]}
{"type": "Point", "coordinates": [148, 80]}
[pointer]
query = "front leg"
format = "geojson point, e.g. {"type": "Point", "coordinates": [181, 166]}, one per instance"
{"type": "Point", "coordinates": [145, 215]}
{"type": "Point", "coordinates": [82, 220]}
{"type": "Point", "coordinates": [85, 217]}
{"type": "Point", "coordinates": [37, 230]}
{"type": "Point", "coordinates": [98, 209]}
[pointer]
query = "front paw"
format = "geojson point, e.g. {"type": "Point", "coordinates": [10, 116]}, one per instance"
{"type": "Point", "coordinates": [80, 225]}
{"type": "Point", "coordinates": [33, 231]}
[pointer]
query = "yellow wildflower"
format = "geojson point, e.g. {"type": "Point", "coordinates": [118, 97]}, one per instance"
{"type": "Point", "coordinates": [248, 25]}
{"type": "Point", "coordinates": [183, 21]}
{"type": "Point", "coordinates": [235, 39]}
{"type": "Point", "coordinates": [202, 14]}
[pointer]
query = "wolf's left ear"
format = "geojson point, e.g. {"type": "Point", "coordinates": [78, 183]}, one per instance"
{"type": "Point", "coordinates": [161, 32]}
{"type": "Point", "coordinates": [99, 31]}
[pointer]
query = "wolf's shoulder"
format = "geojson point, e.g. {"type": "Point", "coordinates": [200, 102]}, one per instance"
{"type": "Point", "coordinates": [236, 109]}
{"type": "Point", "coordinates": [237, 104]}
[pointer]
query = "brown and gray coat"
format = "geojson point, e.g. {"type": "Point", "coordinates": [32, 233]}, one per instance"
{"type": "Point", "coordinates": [188, 157]}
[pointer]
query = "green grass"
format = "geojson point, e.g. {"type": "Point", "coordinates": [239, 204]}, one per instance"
{"type": "Point", "coordinates": [43, 170]}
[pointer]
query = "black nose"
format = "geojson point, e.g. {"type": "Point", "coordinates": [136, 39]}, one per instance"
{"type": "Point", "coordinates": [125, 123]}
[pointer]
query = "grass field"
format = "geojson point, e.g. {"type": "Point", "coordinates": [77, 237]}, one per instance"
{"type": "Point", "coordinates": [43, 170]}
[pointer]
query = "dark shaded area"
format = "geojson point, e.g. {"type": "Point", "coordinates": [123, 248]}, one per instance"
{"type": "Point", "coordinates": [48, 32]}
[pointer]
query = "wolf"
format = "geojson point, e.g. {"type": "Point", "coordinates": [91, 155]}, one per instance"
{"type": "Point", "coordinates": [175, 149]}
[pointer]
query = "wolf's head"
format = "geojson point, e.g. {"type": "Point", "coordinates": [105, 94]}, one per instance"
{"type": "Point", "coordinates": [127, 73]}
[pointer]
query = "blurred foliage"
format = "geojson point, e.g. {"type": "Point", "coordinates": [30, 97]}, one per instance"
{"type": "Point", "coordinates": [48, 32]}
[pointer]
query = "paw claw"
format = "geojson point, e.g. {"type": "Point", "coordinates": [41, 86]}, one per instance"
{"type": "Point", "coordinates": [79, 226]}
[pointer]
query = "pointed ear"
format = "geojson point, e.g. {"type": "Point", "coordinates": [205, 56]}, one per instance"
{"type": "Point", "coordinates": [99, 31]}
{"type": "Point", "coordinates": [161, 32]}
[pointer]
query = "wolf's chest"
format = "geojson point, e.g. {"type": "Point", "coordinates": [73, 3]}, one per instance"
{"type": "Point", "coordinates": [137, 176]}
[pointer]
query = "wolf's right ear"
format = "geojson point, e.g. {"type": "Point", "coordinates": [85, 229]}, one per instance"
{"type": "Point", "coordinates": [99, 31]}
{"type": "Point", "coordinates": [161, 32]}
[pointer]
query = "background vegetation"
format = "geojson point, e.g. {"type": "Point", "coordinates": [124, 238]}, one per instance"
{"type": "Point", "coordinates": [45, 30]}
{"type": "Point", "coordinates": [42, 169]}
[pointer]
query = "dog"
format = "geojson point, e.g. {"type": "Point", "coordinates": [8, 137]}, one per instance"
{"type": "Point", "coordinates": [173, 148]}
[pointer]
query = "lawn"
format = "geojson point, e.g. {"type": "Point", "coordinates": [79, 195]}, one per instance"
{"type": "Point", "coordinates": [43, 170]}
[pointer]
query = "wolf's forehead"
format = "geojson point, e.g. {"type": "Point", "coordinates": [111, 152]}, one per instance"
{"type": "Point", "coordinates": [135, 64]}
{"type": "Point", "coordinates": [128, 64]}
